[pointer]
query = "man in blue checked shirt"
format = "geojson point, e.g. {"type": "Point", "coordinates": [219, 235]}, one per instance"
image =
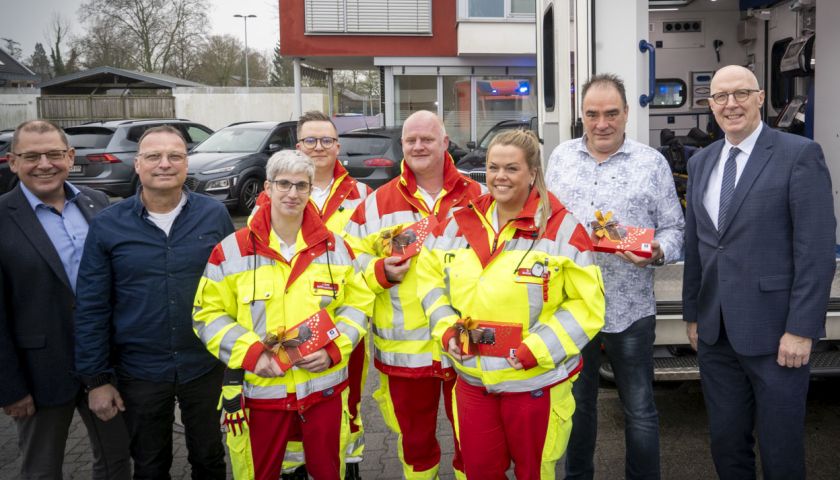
{"type": "Point", "coordinates": [135, 348]}
{"type": "Point", "coordinates": [606, 171]}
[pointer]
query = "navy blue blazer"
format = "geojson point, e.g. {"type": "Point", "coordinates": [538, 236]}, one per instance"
{"type": "Point", "coordinates": [36, 305]}
{"type": "Point", "coordinates": [769, 268]}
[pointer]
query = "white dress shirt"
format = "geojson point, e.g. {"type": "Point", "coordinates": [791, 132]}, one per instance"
{"type": "Point", "coordinates": [711, 200]}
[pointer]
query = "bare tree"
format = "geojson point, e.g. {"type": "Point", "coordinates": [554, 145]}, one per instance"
{"type": "Point", "coordinates": [221, 61]}
{"type": "Point", "coordinates": [57, 34]}
{"type": "Point", "coordinates": [12, 46]}
{"type": "Point", "coordinates": [104, 46]}
{"type": "Point", "coordinates": [158, 30]}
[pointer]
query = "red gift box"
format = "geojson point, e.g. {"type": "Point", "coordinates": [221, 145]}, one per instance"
{"type": "Point", "coordinates": [410, 240]}
{"type": "Point", "coordinates": [634, 240]}
{"type": "Point", "coordinates": [309, 336]}
{"type": "Point", "coordinates": [611, 237]}
{"type": "Point", "coordinates": [490, 339]}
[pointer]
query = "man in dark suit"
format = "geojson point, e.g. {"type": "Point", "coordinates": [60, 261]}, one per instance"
{"type": "Point", "coordinates": [44, 223]}
{"type": "Point", "coordinates": [759, 261]}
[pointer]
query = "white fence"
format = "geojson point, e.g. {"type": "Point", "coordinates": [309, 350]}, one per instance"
{"type": "Point", "coordinates": [17, 105]}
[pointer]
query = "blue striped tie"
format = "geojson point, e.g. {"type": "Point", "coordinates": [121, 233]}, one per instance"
{"type": "Point", "coordinates": [727, 186]}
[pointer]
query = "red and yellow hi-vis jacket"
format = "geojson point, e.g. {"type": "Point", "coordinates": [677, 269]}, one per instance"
{"type": "Point", "coordinates": [249, 290]}
{"type": "Point", "coordinates": [346, 194]}
{"type": "Point", "coordinates": [548, 284]}
{"type": "Point", "coordinates": [402, 342]}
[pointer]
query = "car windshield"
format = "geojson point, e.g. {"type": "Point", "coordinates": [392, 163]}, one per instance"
{"type": "Point", "coordinates": [485, 142]}
{"type": "Point", "coordinates": [230, 140]}
{"type": "Point", "coordinates": [364, 145]}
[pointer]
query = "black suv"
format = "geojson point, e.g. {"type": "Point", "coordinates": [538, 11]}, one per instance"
{"type": "Point", "coordinates": [105, 151]}
{"type": "Point", "coordinates": [230, 165]}
{"type": "Point", "coordinates": [374, 156]}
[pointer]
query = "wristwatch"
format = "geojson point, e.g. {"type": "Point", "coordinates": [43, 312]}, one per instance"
{"type": "Point", "coordinates": [659, 261]}
{"type": "Point", "coordinates": [96, 381]}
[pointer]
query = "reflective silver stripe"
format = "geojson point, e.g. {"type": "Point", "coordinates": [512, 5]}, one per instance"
{"type": "Point", "coordinates": [408, 360]}
{"type": "Point", "coordinates": [572, 327]}
{"type": "Point", "coordinates": [320, 384]}
{"type": "Point", "coordinates": [551, 341]}
{"type": "Point", "coordinates": [353, 229]}
{"type": "Point", "coordinates": [540, 381]}
{"type": "Point", "coordinates": [353, 314]}
{"type": "Point", "coordinates": [325, 300]}
{"type": "Point", "coordinates": [363, 259]}
{"type": "Point", "coordinates": [471, 362]}
{"type": "Point", "coordinates": [230, 247]}
{"type": "Point", "coordinates": [397, 317]}
{"type": "Point", "coordinates": [445, 362]}
{"type": "Point", "coordinates": [293, 457]}
{"type": "Point", "coordinates": [353, 446]}
{"type": "Point", "coordinates": [207, 330]}
{"type": "Point", "coordinates": [337, 258]}
{"type": "Point", "coordinates": [214, 272]}
{"type": "Point", "coordinates": [228, 341]}
{"type": "Point", "coordinates": [390, 220]}
{"type": "Point", "coordinates": [475, 381]}
{"type": "Point", "coordinates": [351, 332]}
{"type": "Point", "coordinates": [401, 334]}
{"type": "Point", "coordinates": [258, 318]}
{"type": "Point", "coordinates": [439, 313]}
{"type": "Point", "coordinates": [535, 303]}
{"type": "Point", "coordinates": [264, 392]}
{"type": "Point", "coordinates": [446, 282]}
{"type": "Point", "coordinates": [431, 298]}
{"type": "Point", "coordinates": [488, 364]}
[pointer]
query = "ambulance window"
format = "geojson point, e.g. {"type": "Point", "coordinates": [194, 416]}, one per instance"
{"type": "Point", "coordinates": [670, 93]}
{"type": "Point", "coordinates": [548, 58]}
{"type": "Point", "coordinates": [781, 86]}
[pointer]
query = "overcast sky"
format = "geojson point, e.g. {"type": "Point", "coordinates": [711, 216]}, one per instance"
{"type": "Point", "coordinates": [26, 21]}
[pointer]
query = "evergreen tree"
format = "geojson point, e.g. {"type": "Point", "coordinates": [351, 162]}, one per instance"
{"type": "Point", "coordinates": [39, 62]}
{"type": "Point", "coordinates": [282, 70]}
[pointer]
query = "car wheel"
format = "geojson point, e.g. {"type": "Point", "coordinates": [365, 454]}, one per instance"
{"type": "Point", "coordinates": [249, 190]}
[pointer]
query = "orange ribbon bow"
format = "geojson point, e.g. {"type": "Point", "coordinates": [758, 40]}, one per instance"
{"type": "Point", "coordinates": [465, 327]}
{"type": "Point", "coordinates": [605, 226]}
{"type": "Point", "coordinates": [280, 341]}
{"type": "Point", "coordinates": [386, 238]}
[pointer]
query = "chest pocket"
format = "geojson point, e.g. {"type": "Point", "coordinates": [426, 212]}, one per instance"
{"type": "Point", "coordinates": [327, 290]}
{"type": "Point", "coordinates": [254, 296]}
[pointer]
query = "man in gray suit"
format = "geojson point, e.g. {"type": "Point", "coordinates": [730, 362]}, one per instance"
{"type": "Point", "coordinates": [759, 261]}
{"type": "Point", "coordinates": [44, 221]}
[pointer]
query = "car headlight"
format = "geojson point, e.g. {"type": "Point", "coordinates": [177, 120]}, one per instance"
{"type": "Point", "coordinates": [219, 184]}
{"type": "Point", "coordinates": [219, 170]}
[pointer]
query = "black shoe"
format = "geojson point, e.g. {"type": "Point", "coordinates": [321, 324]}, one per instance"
{"type": "Point", "coordinates": [300, 473]}
{"type": "Point", "coordinates": [351, 471]}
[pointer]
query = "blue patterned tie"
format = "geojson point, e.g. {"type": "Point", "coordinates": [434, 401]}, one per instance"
{"type": "Point", "coordinates": [727, 186]}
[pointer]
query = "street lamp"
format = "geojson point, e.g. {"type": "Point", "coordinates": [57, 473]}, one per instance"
{"type": "Point", "coordinates": [245, 19]}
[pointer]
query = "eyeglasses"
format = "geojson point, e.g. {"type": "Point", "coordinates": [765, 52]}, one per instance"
{"type": "Point", "coordinates": [311, 142]}
{"type": "Point", "coordinates": [741, 95]}
{"type": "Point", "coordinates": [157, 157]}
{"type": "Point", "coordinates": [285, 186]}
{"type": "Point", "coordinates": [34, 157]}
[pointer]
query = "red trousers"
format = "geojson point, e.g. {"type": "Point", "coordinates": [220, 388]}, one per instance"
{"type": "Point", "coordinates": [495, 428]}
{"type": "Point", "coordinates": [415, 402]}
{"type": "Point", "coordinates": [319, 428]}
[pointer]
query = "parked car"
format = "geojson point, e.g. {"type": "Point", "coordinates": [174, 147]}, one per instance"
{"type": "Point", "coordinates": [230, 165]}
{"type": "Point", "coordinates": [473, 163]}
{"type": "Point", "coordinates": [105, 151]}
{"type": "Point", "coordinates": [373, 156]}
{"type": "Point", "coordinates": [8, 179]}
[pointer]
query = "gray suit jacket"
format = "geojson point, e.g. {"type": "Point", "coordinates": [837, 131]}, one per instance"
{"type": "Point", "coordinates": [769, 268]}
{"type": "Point", "coordinates": [36, 306]}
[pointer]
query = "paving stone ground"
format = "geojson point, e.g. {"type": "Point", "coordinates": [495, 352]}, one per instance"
{"type": "Point", "coordinates": [683, 429]}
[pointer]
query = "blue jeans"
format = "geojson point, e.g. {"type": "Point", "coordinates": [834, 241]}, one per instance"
{"type": "Point", "coordinates": [631, 354]}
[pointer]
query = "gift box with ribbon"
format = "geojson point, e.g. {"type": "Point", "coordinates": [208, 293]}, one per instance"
{"type": "Point", "coordinates": [489, 339]}
{"type": "Point", "coordinates": [292, 344]}
{"type": "Point", "coordinates": [406, 241]}
{"type": "Point", "coordinates": [611, 237]}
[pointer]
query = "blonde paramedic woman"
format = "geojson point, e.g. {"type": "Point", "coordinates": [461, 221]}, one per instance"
{"type": "Point", "coordinates": [513, 273]}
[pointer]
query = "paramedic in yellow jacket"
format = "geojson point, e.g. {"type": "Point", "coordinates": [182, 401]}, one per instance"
{"type": "Point", "coordinates": [335, 195]}
{"type": "Point", "coordinates": [517, 258]}
{"type": "Point", "coordinates": [412, 373]}
{"type": "Point", "coordinates": [263, 281]}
